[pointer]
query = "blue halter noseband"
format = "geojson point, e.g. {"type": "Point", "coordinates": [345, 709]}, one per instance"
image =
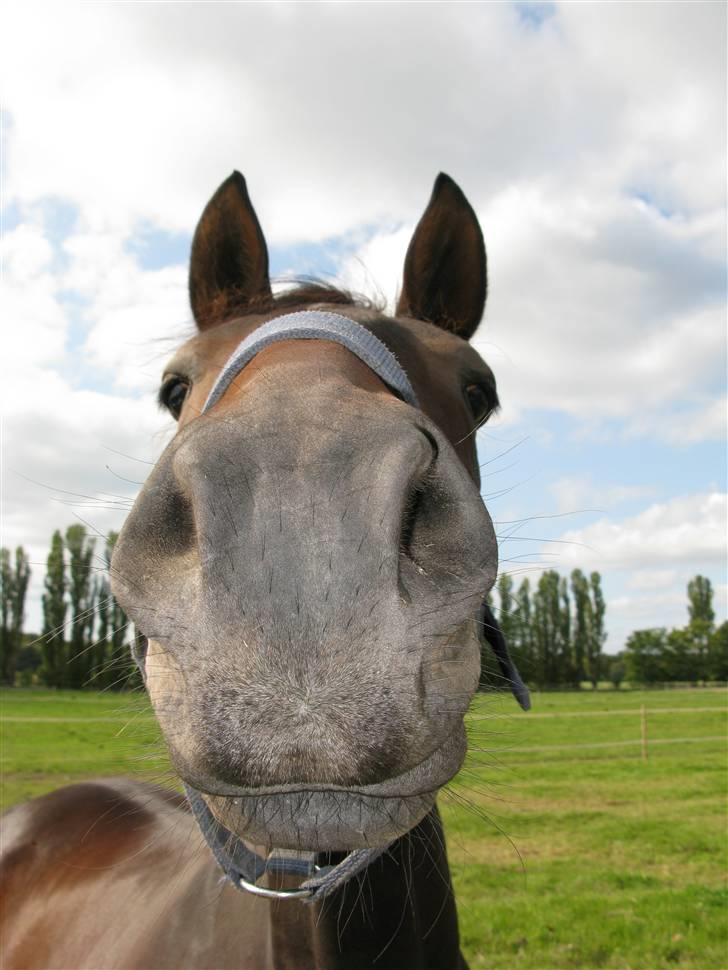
{"type": "Point", "coordinates": [316, 325]}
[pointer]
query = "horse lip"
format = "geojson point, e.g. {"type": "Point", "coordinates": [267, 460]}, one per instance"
{"type": "Point", "coordinates": [425, 778]}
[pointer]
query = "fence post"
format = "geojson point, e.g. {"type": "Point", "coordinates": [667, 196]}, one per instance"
{"type": "Point", "coordinates": [643, 721]}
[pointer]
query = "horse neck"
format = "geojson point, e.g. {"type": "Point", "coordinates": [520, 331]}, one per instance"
{"type": "Point", "coordinates": [399, 913]}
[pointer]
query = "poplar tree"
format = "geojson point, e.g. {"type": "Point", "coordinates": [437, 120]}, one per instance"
{"type": "Point", "coordinates": [701, 624]}
{"type": "Point", "coordinates": [547, 628]}
{"type": "Point", "coordinates": [583, 621]}
{"type": "Point", "coordinates": [81, 549]}
{"type": "Point", "coordinates": [598, 633]}
{"type": "Point", "coordinates": [700, 600]}
{"type": "Point", "coordinates": [54, 615]}
{"type": "Point", "coordinates": [99, 672]}
{"type": "Point", "coordinates": [120, 661]}
{"type": "Point", "coordinates": [18, 591]}
{"type": "Point", "coordinates": [567, 672]}
{"type": "Point", "coordinates": [524, 635]}
{"type": "Point", "coordinates": [507, 609]}
{"type": "Point", "coordinates": [6, 595]}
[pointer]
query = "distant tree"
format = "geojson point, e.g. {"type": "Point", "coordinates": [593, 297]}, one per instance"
{"type": "Point", "coordinates": [80, 587]}
{"type": "Point", "coordinates": [598, 635]}
{"type": "Point", "coordinates": [524, 643]}
{"type": "Point", "coordinates": [700, 600]}
{"type": "Point", "coordinates": [507, 609]}
{"type": "Point", "coordinates": [548, 629]}
{"type": "Point", "coordinates": [18, 588]}
{"type": "Point", "coordinates": [617, 670]}
{"type": "Point", "coordinates": [718, 653]}
{"type": "Point", "coordinates": [122, 671]}
{"type": "Point", "coordinates": [6, 597]}
{"type": "Point", "coordinates": [29, 660]}
{"type": "Point", "coordinates": [99, 672]}
{"type": "Point", "coordinates": [568, 672]}
{"type": "Point", "coordinates": [583, 621]}
{"type": "Point", "coordinates": [701, 624]}
{"type": "Point", "coordinates": [645, 656]}
{"type": "Point", "coordinates": [679, 662]}
{"type": "Point", "coordinates": [54, 615]}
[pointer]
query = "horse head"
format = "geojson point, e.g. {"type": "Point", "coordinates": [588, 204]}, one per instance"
{"type": "Point", "coordinates": [309, 558]}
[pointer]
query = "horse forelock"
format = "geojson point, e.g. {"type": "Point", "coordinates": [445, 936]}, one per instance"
{"type": "Point", "coordinates": [300, 293]}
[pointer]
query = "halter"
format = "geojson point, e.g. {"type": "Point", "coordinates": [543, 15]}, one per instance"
{"type": "Point", "coordinates": [316, 325]}
{"type": "Point", "coordinates": [242, 866]}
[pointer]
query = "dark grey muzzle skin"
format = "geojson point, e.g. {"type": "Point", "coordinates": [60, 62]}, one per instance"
{"type": "Point", "coordinates": [308, 566]}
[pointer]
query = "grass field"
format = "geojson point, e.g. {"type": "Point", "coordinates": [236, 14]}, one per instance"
{"type": "Point", "coordinates": [566, 852]}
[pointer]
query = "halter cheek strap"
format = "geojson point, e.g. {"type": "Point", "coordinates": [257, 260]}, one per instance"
{"type": "Point", "coordinates": [316, 325]}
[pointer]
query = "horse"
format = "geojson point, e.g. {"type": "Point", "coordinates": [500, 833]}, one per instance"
{"type": "Point", "coordinates": [308, 563]}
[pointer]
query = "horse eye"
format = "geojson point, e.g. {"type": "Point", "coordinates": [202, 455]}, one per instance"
{"type": "Point", "coordinates": [173, 394]}
{"type": "Point", "coordinates": [480, 401]}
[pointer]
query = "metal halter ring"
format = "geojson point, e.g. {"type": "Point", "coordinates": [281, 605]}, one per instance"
{"type": "Point", "coordinates": [275, 893]}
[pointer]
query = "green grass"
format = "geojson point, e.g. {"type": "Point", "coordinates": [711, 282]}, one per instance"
{"type": "Point", "coordinates": [562, 856]}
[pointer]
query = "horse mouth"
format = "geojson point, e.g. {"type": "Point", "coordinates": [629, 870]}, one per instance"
{"type": "Point", "coordinates": [326, 818]}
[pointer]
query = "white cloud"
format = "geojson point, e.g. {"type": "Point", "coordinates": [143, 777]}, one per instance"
{"type": "Point", "coordinates": [35, 323]}
{"type": "Point", "coordinates": [706, 422]}
{"type": "Point", "coordinates": [142, 108]}
{"type": "Point", "coordinates": [681, 530]}
{"type": "Point", "coordinates": [60, 438]}
{"type": "Point", "coordinates": [572, 325]}
{"type": "Point", "coordinates": [572, 493]}
{"type": "Point", "coordinates": [666, 608]}
{"type": "Point", "coordinates": [59, 463]}
{"type": "Point", "coordinates": [652, 579]}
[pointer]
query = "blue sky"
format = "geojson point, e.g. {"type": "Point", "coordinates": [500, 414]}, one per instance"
{"type": "Point", "coordinates": [589, 138]}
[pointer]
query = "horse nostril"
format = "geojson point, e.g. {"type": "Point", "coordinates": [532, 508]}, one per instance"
{"type": "Point", "coordinates": [445, 537]}
{"type": "Point", "coordinates": [414, 505]}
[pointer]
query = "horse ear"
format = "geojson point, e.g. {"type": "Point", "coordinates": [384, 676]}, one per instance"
{"type": "Point", "coordinates": [445, 277]}
{"type": "Point", "coordinates": [229, 262]}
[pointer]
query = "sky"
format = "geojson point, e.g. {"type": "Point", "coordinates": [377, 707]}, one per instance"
{"type": "Point", "coordinates": [589, 138]}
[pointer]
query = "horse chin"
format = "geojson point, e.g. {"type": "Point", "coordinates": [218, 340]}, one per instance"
{"type": "Point", "coordinates": [319, 821]}
{"type": "Point", "coordinates": [337, 819]}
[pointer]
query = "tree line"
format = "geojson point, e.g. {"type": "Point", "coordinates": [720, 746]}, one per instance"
{"type": "Point", "coordinates": [694, 653]}
{"type": "Point", "coordinates": [85, 636]}
{"type": "Point", "coordinates": [555, 629]}
{"type": "Point", "coordinates": [556, 632]}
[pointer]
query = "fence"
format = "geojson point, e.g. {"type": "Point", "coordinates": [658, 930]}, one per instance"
{"type": "Point", "coordinates": [643, 739]}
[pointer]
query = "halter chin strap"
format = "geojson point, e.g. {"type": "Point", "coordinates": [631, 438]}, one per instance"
{"type": "Point", "coordinates": [240, 864]}
{"type": "Point", "coordinates": [316, 325]}
{"type": "Point", "coordinates": [244, 868]}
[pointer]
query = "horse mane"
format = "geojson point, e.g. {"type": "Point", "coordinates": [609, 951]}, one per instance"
{"type": "Point", "coordinates": [299, 292]}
